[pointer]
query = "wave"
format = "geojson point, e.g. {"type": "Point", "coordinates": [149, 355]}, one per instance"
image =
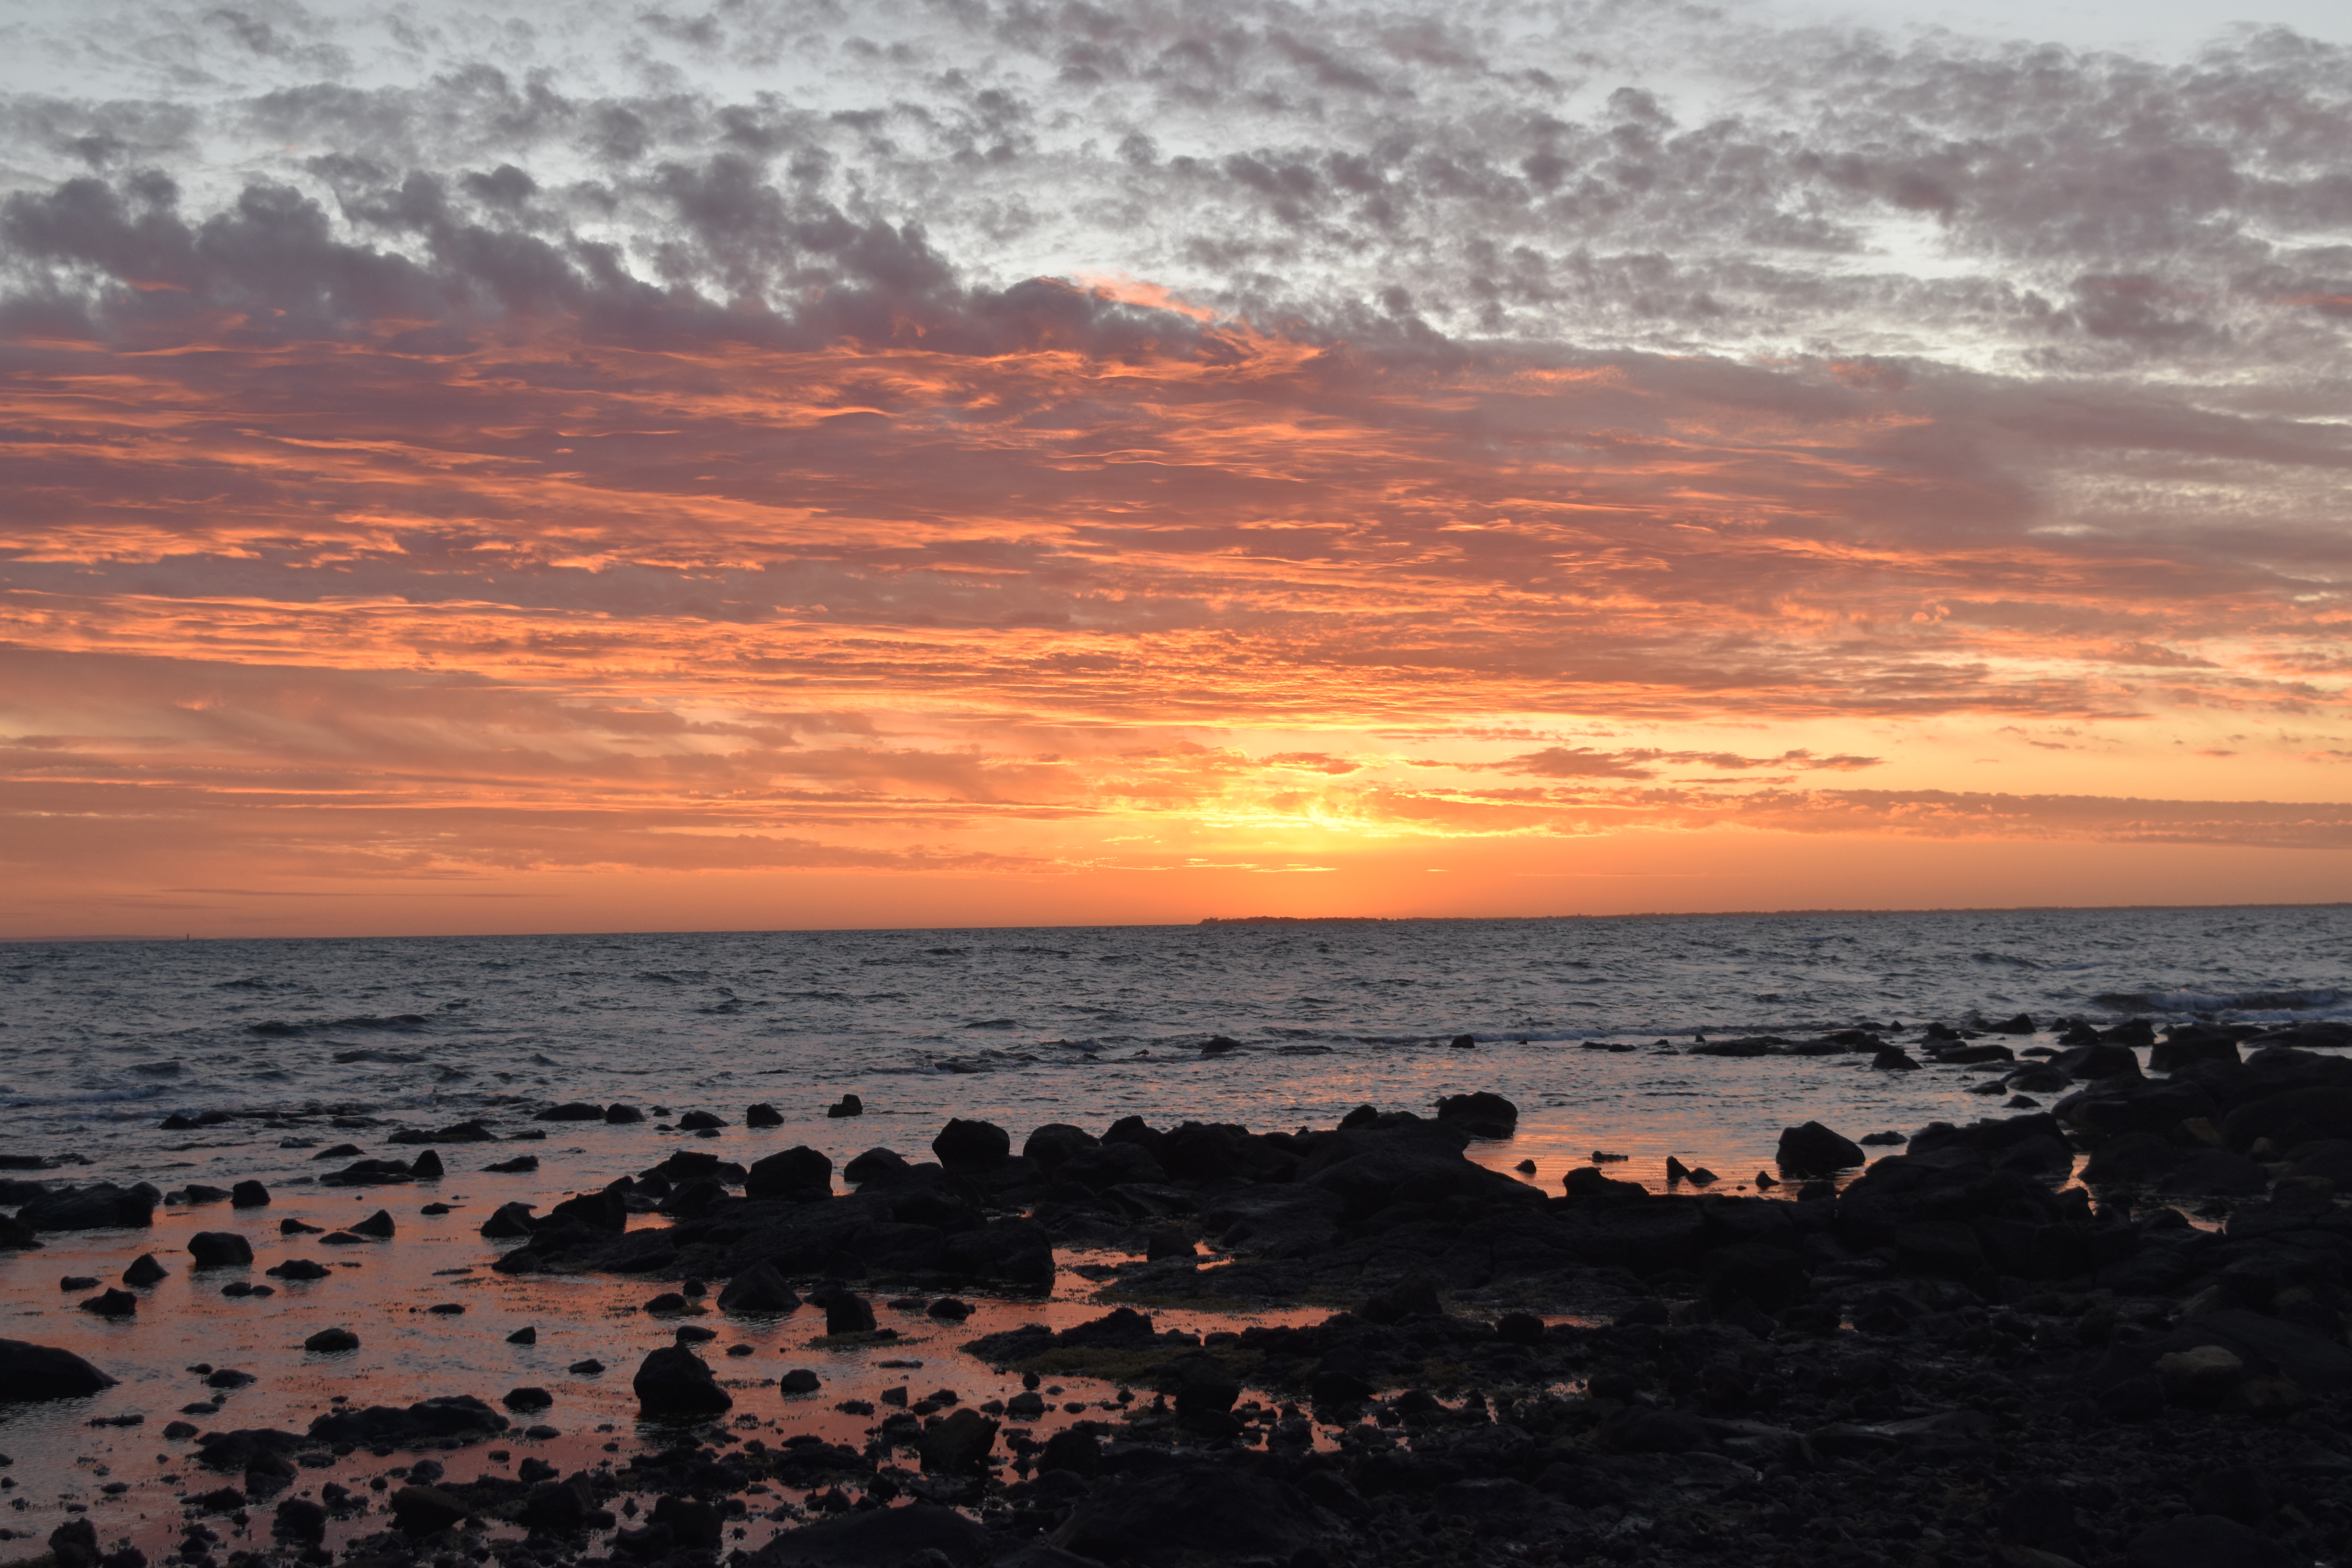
{"type": "Point", "coordinates": [280, 1027]}
{"type": "Point", "coordinates": [88, 1097]}
{"type": "Point", "coordinates": [2290, 1001]}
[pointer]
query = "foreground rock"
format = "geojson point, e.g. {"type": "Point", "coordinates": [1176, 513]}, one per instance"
{"type": "Point", "coordinates": [31, 1372]}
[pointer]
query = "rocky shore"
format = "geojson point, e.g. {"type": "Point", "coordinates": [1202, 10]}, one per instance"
{"type": "Point", "coordinates": [1959, 1355]}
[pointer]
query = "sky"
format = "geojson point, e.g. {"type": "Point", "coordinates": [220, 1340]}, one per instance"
{"type": "Point", "coordinates": [472, 468]}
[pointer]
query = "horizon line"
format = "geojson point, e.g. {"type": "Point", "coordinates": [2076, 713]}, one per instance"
{"type": "Point", "coordinates": [1206, 922]}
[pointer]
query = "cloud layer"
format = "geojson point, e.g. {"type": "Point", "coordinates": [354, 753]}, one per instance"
{"type": "Point", "coordinates": [956, 440]}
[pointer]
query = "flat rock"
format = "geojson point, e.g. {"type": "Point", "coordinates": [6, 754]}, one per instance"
{"type": "Point", "coordinates": [30, 1371]}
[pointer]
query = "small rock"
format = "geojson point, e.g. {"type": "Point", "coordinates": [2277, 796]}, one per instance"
{"type": "Point", "coordinates": [619, 1115]}
{"type": "Point", "coordinates": [425, 1167]}
{"type": "Point", "coordinates": [509, 1220]}
{"type": "Point", "coordinates": [1167, 1242]}
{"type": "Point", "coordinates": [331, 1341]}
{"type": "Point", "coordinates": [300, 1519]}
{"type": "Point", "coordinates": [2201, 1376]}
{"type": "Point", "coordinates": [527, 1399]}
{"type": "Point", "coordinates": [958, 1445]}
{"type": "Point", "coordinates": [525, 1335]}
{"type": "Point", "coordinates": [144, 1271]}
{"type": "Point", "coordinates": [113, 1304]}
{"type": "Point", "coordinates": [697, 1121]}
{"type": "Point", "coordinates": [972, 1148]}
{"type": "Point", "coordinates": [519, 1165]}
{"type": "Point", "coordinates": [847, 1313]}
{"type": "Point", "coordinates": [949, 1309]}
{"type": "Point", "coordinates": [1812, 1150]}
{"type": "Point", "coordinates": [377, 1225]}
{"type": "Point", "coordinates": [762, 1115]}
{"type": "Point", "coordinates": [800, 1380]}
{"type": "Point", "coordinates": [588, 1368]}
{"type": "Point", "coordinates": [289, 1225]}
{"type": "Point", "coordinates": [299, 1269]}
{"type": "Point", "coordinates": [248, 1195]}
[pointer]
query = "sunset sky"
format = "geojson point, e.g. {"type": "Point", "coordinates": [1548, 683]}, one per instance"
{"type": "Point", "coordinates": [497, 467]}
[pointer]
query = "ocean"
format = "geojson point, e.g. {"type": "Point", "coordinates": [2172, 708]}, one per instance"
{"type": "Point", "coordinates": [272, 1057]}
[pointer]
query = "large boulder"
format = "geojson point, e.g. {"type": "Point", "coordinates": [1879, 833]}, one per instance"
{"type": "Point", "coordinates": [1056, 1142]}
{"type": "Point", "coordinates": [219, 1249]}
{"type": "Point", "coordinates": [1812, 1150]}
{"type": "Point", "coordinates": [796, 1173]}
{"type": "Point", "coordinates": [758, 1289]}
{"type": "Point", "coordinates": [673, 1382]}
{"type": "Point", "coordinates": [972, 1148]}
{"type": "Point", "coordinates": [2303, 1116]}
{"type": "Point", "coordinates": [882, 1538]}
{"type": "Point", "coordinates": [100, 1206]}
{"type": "Point", "coordinates": [1481, 1115]}
{"type": "Point", "coordinates": [1193, 1513]}
{"type": "Point", "coordinates": [451, 1418]}
{"type": "Point", "coordinates": [30, 1371]}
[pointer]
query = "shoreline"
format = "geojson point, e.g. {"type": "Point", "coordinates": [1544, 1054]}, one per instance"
{"type": "Point", "coordinates": [1353, 1345]}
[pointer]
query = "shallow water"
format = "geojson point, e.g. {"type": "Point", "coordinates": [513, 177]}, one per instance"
{"type": "Point", "coordinates": [99, 1041]}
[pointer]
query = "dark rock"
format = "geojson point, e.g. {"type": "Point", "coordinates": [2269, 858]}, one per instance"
{"type": "Point", "coordinates": [972, 1148]}
{"type": "Point", "coordinates": [848, 1105]}
{"type": "Point", "coordinates": [1770, 1278]}
{"type": "Point", "coordinates": [2301, 1116]}
{"type": "Point", "coordinates": [762, 1115]}
{"type": "Point", "coordinates": [800, 1380]}
{"type": "Point", "coordinates": [113, 1304]}
{"type": "Point", "coordinates": [620, 1115]}
{"type": "Point", "coordinates": [1812, 1150]}
{"type": "Point", "coordinates": [881, 1167]}
{"type": "Point", "coordinates": [1166, 1242]}
{"type": "Point", "coordinates": [458, 1416]}
{"type": "Point", "coordinates": [949, 1310]}
{"type": "Point", "coordinates": [1188, 1513]}
{"type": "Point", "coordinates": [1006, 1251]}
{"type": "Point", "coordinates": [299, 1269]}
{"type": "Point", "coordinates": [696, 1120]}
{"type": "Point", "coordinates": [1640, 1430]}
{"type": "Point", "coordinates": [522, 1401]}
{"type": "Point", "coordinates": [373, 1172]}
{"type": "Point", "coordinates": [508, 1220]}
{"type": "Point", "coordinates": [589, 1368]}
{"type": "Point", "coordinates": [799, 1172]}
{"type": "Point", "coordinates": [2236, 1491]}
{"type": "Point", "coordinates": [300, 1519]}
{"type": "Point", "coordinates": [921, 1534]}
{"type": "Point", "coordinates": [423, 1510]}
{"type": "Point", "coordinates": [1056, 1142]}
{"type": "Point", "coordinates": [2021, 1025]}
{"type": "Point", "coordinates": [377, 1225]}
{"type": "Point", "coordinates": [575, 1110]}
{"type": "Point", "coordinates": [1080, 1453]}
{"type": "Point", "coordinates": [144, 1271]}
{"type": "Point", "coordinates": [219, 1249]}
{"type": "Point", "coordinates": [330, 1342]}
{"type": "Point", "coordinates": [2097, 1060]}
{"type": "Point", "coordinates": [2039, 1514]}
{"type": "Point", "coordinates": [102, 1206]}
{"type": "Point", "coordinates": [673, 1382]}
{"type": "Point", "coordinates": [558, 1507]}
{"type": "Point", "coordinates": [520, 1166]}
{"type": "Point", "coordinates": [426, 1167]}
{"type": "Point", "coordinates": [1481, 1115]}
{"type": "Point", "coordinates": [601, 1211]}
{"type": "Point", "coordinates": [248, 1195]}
{"type": "Point", "coordinates": [959, 1444]}
{"type": "Point", "coordinates": [2204, 1541]}
{"type": "Point", "coordinates": [198, 1193]}
{"type": "Point", "coordinates": [846, 1313]}
{"type": "Point", "coordinates": [1413, 1297]}
{"type": "Point", "coordinates": [1894, 1059]}
{"type": "Point", "coordinates": [289, 1225]}
{"type": "Point", "coordinates": [74, 1544]}
{"type": "Point", "coordinates": [758, 1289]}
{"type": "Point", "coordinates": [525, 1335]}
